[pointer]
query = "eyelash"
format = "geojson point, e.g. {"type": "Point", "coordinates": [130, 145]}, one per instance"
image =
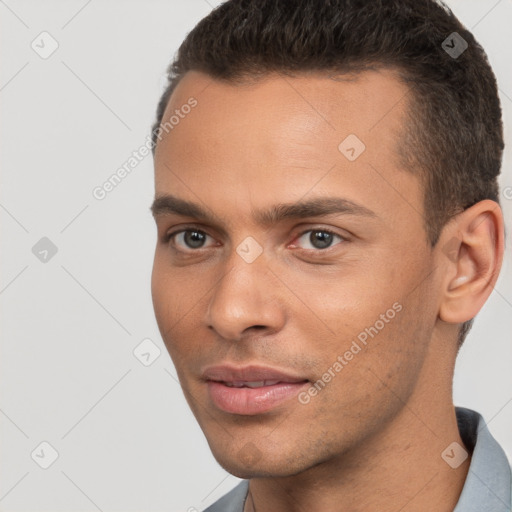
{"type": "Point", "coordinates": [169, 236]}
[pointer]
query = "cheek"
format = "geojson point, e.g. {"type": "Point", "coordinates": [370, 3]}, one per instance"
{"type": "Point", "coordinates": [179, 301]}
{"type": "Point", "coordinates": [168, 304]}
{"type": "Point", "coordinates": [369, 336]}
{"type": "Point", "coordinates": [368, 301]}
{"type": "Point", "coordinates": [173, 290]}
{"type": "Point", "coordinates": [342, 307]}
{"type": "Point", "coordinates": [160, 293]}
{"type": "Point", "coordinates": [380, 362]}
{"type": "Point", "coordinates": [362, 386]}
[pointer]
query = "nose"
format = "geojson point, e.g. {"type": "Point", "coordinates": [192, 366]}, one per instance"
{"type": "Point", "coordinates": [245, 299]}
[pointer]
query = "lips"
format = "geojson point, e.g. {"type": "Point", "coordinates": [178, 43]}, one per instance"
{"type": "Point", "coordinates": [250, 390]}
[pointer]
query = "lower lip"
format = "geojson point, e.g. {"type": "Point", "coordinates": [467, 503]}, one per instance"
{"type": "Point", "coordinates": [250, 401]}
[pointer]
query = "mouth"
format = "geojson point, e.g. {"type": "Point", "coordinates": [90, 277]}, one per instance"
{"type": "Point", "coordinates": [250, 390]}
{"type": "Point", "coordinates": [254, 384]}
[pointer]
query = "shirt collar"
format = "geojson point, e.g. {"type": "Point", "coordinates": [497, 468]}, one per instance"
{"type": "Point", "coordinates": [489, 482]}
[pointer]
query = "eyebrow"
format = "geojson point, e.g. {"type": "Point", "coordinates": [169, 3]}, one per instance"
{"type": "Point", "coordinates": [319, 206]}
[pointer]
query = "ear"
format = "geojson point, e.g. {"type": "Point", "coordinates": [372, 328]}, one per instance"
{"type": "Point", "coordinates": [471, 254]}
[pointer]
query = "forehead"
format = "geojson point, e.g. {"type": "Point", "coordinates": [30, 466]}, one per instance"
{"type": "Point", "coordinates": [282, 137]}
{"type": "Point", "coordinates": [314, 105]}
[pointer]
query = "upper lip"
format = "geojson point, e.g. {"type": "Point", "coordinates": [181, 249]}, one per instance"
{"type": "Point", "coordinates": [252, 373]}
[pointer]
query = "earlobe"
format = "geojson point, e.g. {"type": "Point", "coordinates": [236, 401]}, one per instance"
{"type": "Point", "coordinates": [471, 253]}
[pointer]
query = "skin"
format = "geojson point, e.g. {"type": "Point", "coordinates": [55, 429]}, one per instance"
{"type": "Point", "coordinates": [372, 438]}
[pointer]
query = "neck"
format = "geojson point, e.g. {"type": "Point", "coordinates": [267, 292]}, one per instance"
{"type": "Point", "coordinates": [400, 468]}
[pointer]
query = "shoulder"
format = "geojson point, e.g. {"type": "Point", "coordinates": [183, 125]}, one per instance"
{"type": "Point", "coordinates": [233, 501]}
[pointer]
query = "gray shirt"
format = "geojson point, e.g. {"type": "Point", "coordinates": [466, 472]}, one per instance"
{"type": "Point", "coordinates": [488, 485]}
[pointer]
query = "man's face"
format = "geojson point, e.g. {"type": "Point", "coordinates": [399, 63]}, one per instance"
{"type": "Point", "coordinates": [273, 306]}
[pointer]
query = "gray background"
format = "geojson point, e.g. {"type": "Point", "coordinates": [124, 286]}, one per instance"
{"type": "Point", "coordinates": [124, 434]}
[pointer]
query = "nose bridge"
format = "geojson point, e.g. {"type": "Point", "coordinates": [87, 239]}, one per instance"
{"type": "Point", "coordinates": [242, 297]}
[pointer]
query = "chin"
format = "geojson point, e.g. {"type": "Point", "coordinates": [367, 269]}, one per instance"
{"type": "Point", "coordinates": [256, 471]}
{"type": "Point", "coordinates": [248, 462]}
